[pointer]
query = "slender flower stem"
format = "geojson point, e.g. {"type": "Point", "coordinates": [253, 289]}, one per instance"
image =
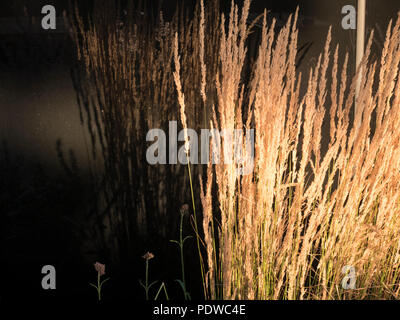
{"type": "Point", "coordinates": [181, 245]}
{"type": "Point", "coordinates": [196, 229]}
{"type": "Point", "coordinates": [147, 279]}
{"type": "Point", "coordinates": [98, 286]}
{"type": "Point", "coordinates": [100, 268]}
{"type": "Point", "coordinates": [146, 285]}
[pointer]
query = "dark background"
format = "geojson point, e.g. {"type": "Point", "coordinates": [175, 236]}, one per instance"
{"type": "Point", "coordinates": [44, 183]}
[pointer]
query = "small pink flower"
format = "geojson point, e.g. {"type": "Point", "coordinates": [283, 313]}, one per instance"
{"type": "Point", "coordinates": [148, 256]}
{"type": "Point", "coordinates": [100, 268]}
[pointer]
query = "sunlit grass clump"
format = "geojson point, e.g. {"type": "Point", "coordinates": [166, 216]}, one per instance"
{"type": "Point", "coordinates": [324, 193]}
{"type": "Point", "coordinates": [290, 229]}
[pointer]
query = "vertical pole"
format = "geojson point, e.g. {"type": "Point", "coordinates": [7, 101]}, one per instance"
{"type": "Point", "coordinates": [360, 45]}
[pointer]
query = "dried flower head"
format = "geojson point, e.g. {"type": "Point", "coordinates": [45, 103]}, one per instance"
{"type": "Point", "coordinates": [100, 268]}
{"type": "Point", "coordinates": [184, 209]}
{"type": "Point", "coordinates": [148, 256]}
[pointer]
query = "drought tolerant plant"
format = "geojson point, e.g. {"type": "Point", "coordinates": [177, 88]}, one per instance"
{"type": "Point", "coordinates": [181, 99]}
{"type": "Point", "coordinates": [101, 270]}
{"type": "Point", "coordinates": [324, 193]}
{"type": "Point", "coordinates": [125, 86]}
{"type": "Point", "coordinates": [146, 286]}
{"type": "Point", "coordinates": [318, 200]}
{"type": "Point", "coordinates": [288, 230]}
